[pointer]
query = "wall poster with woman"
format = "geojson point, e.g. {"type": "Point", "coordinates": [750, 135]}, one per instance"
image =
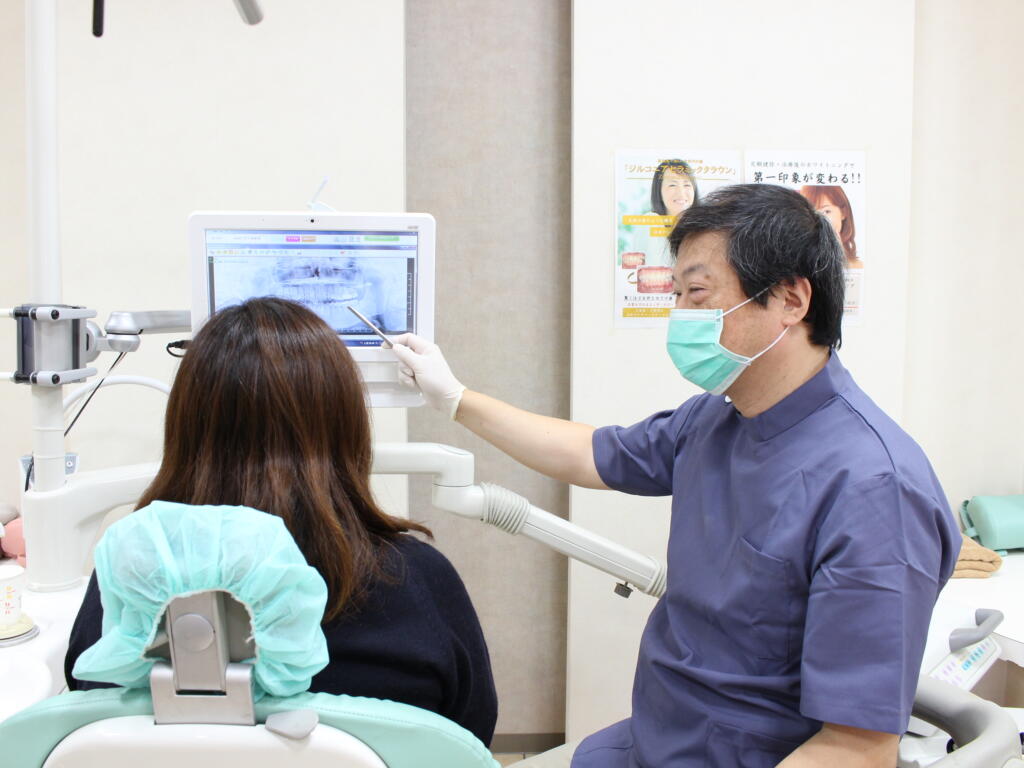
{"type": "Point", "coordinates": [833, 182]}
{"type": "Point", "coordinates": [651, 189]}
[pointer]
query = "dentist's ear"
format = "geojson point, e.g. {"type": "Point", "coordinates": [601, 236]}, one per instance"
{"type": "Point", "coordinates": [795, 295]}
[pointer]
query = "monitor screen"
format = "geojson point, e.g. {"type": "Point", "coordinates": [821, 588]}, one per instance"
{"type": "Point", "coordinates": [324, 270]}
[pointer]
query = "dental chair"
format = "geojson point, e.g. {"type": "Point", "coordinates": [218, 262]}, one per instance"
{"type": "Point", "coordinates": [119, 728]}
{"type": "Point", "coordinates": [197, 693]}
{"type": "Point", "coordinates": [200, 709]}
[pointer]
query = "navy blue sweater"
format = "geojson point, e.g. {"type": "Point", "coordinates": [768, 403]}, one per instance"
{"type": "Point", "coordinates": [417, 641]}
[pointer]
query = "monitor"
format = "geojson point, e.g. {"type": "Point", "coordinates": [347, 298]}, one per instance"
{"type": "Point", "coordinates": [380, 263]}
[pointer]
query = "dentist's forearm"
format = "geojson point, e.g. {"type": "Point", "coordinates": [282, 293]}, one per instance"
{"type": "Point", "coordinates": [840, 746]}
{"type": "Point", "coordinates": [554, 447]}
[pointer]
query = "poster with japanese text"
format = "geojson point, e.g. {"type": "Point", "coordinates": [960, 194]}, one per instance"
{"type": "Point", "coordinates": [833, 182]}
{"type": "Point", "coordinates": [652, 188]}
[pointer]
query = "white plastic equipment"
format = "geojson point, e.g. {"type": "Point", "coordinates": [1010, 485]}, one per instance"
{"type": "Point", "coordinates": [985, 734]}
{"type": "Point", "coordinates": [140, 742]}
{"type": "Point", "coordinates": [975, 623]}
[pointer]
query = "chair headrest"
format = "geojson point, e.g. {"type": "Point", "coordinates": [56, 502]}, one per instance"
{"type": "Point", "coordinates": [167, 550]}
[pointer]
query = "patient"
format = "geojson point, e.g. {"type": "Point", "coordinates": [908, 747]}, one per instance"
{"type": "Point", "coordinates": [267, 411]}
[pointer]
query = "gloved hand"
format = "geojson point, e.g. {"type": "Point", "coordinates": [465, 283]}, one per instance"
{"type": "Point", "coordinates": [421, 365]}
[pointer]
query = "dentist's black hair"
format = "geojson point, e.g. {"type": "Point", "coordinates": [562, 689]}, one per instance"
{"type": "Point", "coordinates": [775, 236]}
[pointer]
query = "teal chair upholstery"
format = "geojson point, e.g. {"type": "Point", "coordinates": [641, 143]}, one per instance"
{"type": "Point", "coordinates": [403, 736]}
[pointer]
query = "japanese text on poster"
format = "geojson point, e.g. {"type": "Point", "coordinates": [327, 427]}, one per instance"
{"type": "Point", "coordinates": [833, 182]}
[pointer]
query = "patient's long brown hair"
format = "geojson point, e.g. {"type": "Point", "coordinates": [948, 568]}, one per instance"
{"type": "Point", "coordinates": [267, 411]}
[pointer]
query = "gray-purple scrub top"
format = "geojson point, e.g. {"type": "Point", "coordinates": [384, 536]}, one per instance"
{"type": "Point", "coordinates": [807, 547]}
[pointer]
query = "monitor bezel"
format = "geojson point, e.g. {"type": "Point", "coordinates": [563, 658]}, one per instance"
{"type": "Point", "coordinates": [422, 223]}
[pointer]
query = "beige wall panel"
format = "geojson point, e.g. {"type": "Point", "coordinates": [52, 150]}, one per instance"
{"type": "Point", "coordinates": [488, 155]}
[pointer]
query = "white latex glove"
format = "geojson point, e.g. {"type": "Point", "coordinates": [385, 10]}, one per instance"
{"type": "Point", "coordinates": [422, 366]}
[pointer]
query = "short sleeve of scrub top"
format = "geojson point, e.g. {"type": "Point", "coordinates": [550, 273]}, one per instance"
{"type": "Point", "coordinates": [878, 568]}
{"type": "Point", "coordinates": [640, 459]}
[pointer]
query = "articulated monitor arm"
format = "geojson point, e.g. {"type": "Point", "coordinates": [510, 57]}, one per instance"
{"type": "Point", "coordinates": [454, 491]}
{"type": "Point", "coordinates": [61, 524]}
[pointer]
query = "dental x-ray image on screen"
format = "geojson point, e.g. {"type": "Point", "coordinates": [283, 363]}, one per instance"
{"type": "Point", "coordinates": [329, 285]}
{"type": "Point", "coordinates": [325, 271]}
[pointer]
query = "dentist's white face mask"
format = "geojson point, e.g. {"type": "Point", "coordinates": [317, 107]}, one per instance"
{"type": "Point", "coordinates": [694, 344]}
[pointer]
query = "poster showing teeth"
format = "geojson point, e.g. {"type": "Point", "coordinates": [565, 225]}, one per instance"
{"type": "Point", "coordinates": [652, 187]}
{"type": "Point", "coordinates": [833, 182]}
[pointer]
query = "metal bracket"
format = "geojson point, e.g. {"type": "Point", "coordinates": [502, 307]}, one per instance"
{"type": "Point", "coordinates": [54, 378]}
{"type": "Point", "coordinates": [96, 341]}
{"type": "Point", "coordinates": [51, 344]}
{"type": "Point", "coordinates": [53, 314]}
{"type": "Point", "coordinates": [232, 706]}
{"type": "Point", "coordinates": [55, 342]}
{"type": "Point", "coordinates": [206, 635]}
{"type": "Point", "coordinates": [122, 330]}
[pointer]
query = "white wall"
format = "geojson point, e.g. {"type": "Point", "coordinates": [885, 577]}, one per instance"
{"type": "Point", "coordinates": [179, 107]}
{"type": "Point", "coordinates": [15, 402]}
{"type": "Point", "coordinates": [737, 74]}
{"type": "Point", "coordinates": [965, 349]}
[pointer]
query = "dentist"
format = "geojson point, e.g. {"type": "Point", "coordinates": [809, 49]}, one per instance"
{"type": "Point", "coordinates": [809, 535]}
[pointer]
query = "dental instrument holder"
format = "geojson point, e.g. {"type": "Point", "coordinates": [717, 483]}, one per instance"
{"type": "Point", "coordinates": [206, 636]}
